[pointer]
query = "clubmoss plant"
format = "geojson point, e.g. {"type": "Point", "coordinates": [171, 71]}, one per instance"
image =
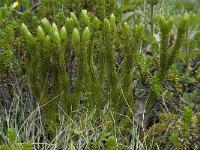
{"type": "Point", "coordinates": [176, 141]}
{"type": "Point", "coordinates": [95, 85]}
{"type": "Point", "coordinates": [131, 47]}
{"type": "Point", "coordinates": [168, 55]}
{"type": "Point", "coordinates": [109, 37]}
{"type": "Point", "coordinates": [165, 33]}
{"type": "Point", "coordinates": [43, 47]}
{"type": "Point", "coordinates": [76, 40]}
{"type": "Point", "coordinates": [84, 20]}
{"type": "Point", "coordinates": [32, 55]}
{"type": "Point", "coordinates": [46, 58]}
{"type": "Point", "coordinates": [188, 128]}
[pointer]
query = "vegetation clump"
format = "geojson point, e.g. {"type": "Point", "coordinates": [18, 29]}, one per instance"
{"type": "Point", "coordinates": [99, 74]}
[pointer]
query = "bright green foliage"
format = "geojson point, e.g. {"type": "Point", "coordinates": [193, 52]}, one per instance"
{"type": "Point", "coordinates": [156, 86]}
{"type": "Point", "coordinates": [33, 57]}
{"type": "Point", "coordinates": [165, 31]}
{"type": "Point", "coordinates": [48, 55]}
{"type": "Point", "coordinates": [84, 19]}
{"type": "Point", "coordinates": [175, 78]}
{"type": "Point", "coordinates": [52, 47]}
{"type": "Point", "coordinates": [189, 128]}
{"type": "Point", "coordinates": [46, 25]}
{"type": "Point", "coordinates": [112, 143]}
{"type": "Point", "coordinates": [81, 48]}
{"type": "Point", "coordinates": [45, 55]}
{"type": "Point", "coordinates": [14, 143]}
{"type": "Point", "coordinates": [167, 54]}
{"type": "Point", "coordinates": [187, 116]}
{"type": "Point", "coordinates": [92, 61]}
{"type": "Point", "coordinates": [109, 37]}
{"type": "Point", "coordinates": [181, 133]}
{"type": "Point", "coordinates": [187, 121]}
{"type": "Point", "coordinates": [182, 29]}
{"type": "Point", "coordinates": [92, 47]}
{"type": "Point", "coordinates": [174, 139]}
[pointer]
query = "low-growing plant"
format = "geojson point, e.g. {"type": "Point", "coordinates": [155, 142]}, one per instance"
{"type": "Point", "coordinates": [97, 67]}
{"type": "Point", "coordinates": [47, 56]}
{"type": "Point", "coordinates": [7, 40]}
{"type": "Point", "coordinates": [167, 54]}
{"type": "Point", "coordinates": [185, 137]}
{"type": "Point", "coordinates": [14, 143]}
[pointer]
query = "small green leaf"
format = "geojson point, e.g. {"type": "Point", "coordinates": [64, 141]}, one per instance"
{"type": "Point", "coordinates": [187, 115]}
{"type": "Point", "coordinates": [71, 146]}
{"type": "Point", "coordinates": [175, 140]}
{"type": "Point", "coordinates": [156, 19]}
{"type": "Point", "coordinates": [78, 131]}
{"type": "Point", "coordinates": [11, 135]}
{"type": "Point", "coordinates": [112, 143]}
{"type": "Point", "coordinates": [27, 146]}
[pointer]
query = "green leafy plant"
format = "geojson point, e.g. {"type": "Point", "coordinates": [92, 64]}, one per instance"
{"type": "Point", "coordinates": [191, 99]}
{"type": "Point", "coordinates": [7, 40]}
{"type": "Point", "coordinates": [189, 128]}
{"type": "Point", "coordinates": [175, 140]}
{"type": "Point", "coordinates": [166, 52]}
{"type": "Point", "coordinates": [112, 144]}
{"type": "Point", "coordinates": [14, 143]}
{"type": "Point", "coordinates": [96, 68]}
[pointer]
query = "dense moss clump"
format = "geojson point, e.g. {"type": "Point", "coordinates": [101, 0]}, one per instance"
{"type": "Point", "coordinates": [99, 74]}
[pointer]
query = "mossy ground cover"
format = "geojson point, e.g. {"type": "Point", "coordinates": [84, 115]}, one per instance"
{"type": "Point", "coordinates": [97, 74]}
